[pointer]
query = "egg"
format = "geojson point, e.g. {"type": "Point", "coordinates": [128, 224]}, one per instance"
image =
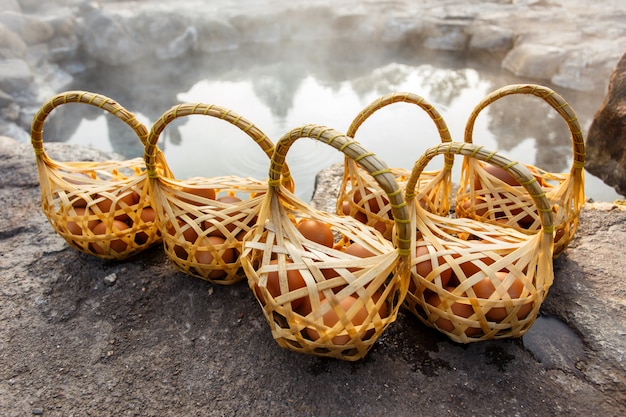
{"type": "Point", "coordinates": [74, 227]}
{"type": "Point", "coordinates": [228, 225]}
{"type": "Point", "coordinates": [500, 173]}
{"type": "Point", "coordinates": [474, 266]}
{"type": "Point", "coordinates": [117, 245]}
{"type": "Point", "coordinates": [383, 310]}
{"type": "Point", "coordinates": [294, 282]}
{"type": "Point", "coordinates": [148, 217]}
{"type": "Point", "coordinates": [371, 203]}
{"type": "Point", "coordinates": [207, 257]}
{"type": "Point", "coordinates": [229, 199]}
{"type": "Point", "coordinates": [425, 267]}
{"type": "Point", "coordinates": [356, 249]}
{"type": "Point", "coordinates": [128, 198]}
{"type": "Point", "coordinates": [306, 307]}
{"type": "Point", "coordinates": [203, 192]}
{"type": "Point", "coordinates": [345, 208]}
{"type": "Point", "coordinates": [458, 309]}
{"type": "Point", "coordinates": [485, 288]}
{"type": "Point", "coordinates": [77, 201]}
{"type": "Point", "coordinates": [316, 231]}
{"type": "Point", "coordinates": [331, 318]}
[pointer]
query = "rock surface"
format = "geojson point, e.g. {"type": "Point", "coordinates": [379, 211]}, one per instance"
{"type": "Point", "coordinates": [80, 336]}
{"type": "Point", "coordinates": [606, 142]}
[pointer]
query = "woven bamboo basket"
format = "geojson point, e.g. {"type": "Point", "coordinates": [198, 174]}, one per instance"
{"type": "Point", "coordinates": [101, 208]}
{"type": "Point", "coordinates": [362, 198]}
{"type": "Point", "coordinates": [203, 219]}
{"type": "Point", "coordinates": [328, 285]}
{"type": "Point", "coordinates": [487, 195]}
{"type": "Point", "coordinates": [474, 280]}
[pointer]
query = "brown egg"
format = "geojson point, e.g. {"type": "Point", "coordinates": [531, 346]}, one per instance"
{"type": "Point", "coordinates": [331, 318]}
{"type": "Point", "coordinates": [305, 308]}
{"type": "Point", "coordinates": [501, 174]}
{"type": "Point", "coordinates": [78, 202]}
{"type": "Point", "coordinates": [345, 208]}
{"type": "Point", "coordinates": [204, 192]}
{"type": "Point", "coordinates": [206, 256]}
{"type": "Point", "coordinates": [356, 249]}
{"type": "Point", "coordinates": [148, 217]}
{"type": "Point", "coordinates": [229, 199]}
{"type": "Point", "coordinates": [316, 231]}
{"type": "Point", "coordinates": [74, 227]}
{"type": "Point", "coordinates": [117, 245]}
{"type": "Point", "coordinates": [425, 267]}
{"type": "Point", "coordinates": [458, 309]}
{"type": "Point", "coordinates": [474, 266]}
{"type": "Point", "coordinates": [363, 199]}
{"type": "Point", "coordinates": [485, 288]}
{"type": "Point", "coordinates": [294, 282]}
{"type": "Point", "coordinates": [383, 311]}
{"type": "Point", "coordinates": [129, 198]}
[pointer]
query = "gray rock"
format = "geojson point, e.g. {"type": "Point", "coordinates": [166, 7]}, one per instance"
{"type": "Point", "coordinates": [15, 76]}
{"type": "Point", "coordinates": [31, 29]}
{"type": "Point", "coordinates": [491, 38]}
{"type": "Point", "coordinates": [446, 35]}
{"type": "Point", "coordinates": [534, 60]}
{"type": "Point", "coordinates": [606, 140]}
{"type": "Point", "coordinates": [10, 6]}
{"type": "Point", "coordinates": [11, 45]}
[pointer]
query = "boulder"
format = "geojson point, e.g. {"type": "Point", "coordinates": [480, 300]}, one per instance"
{"type": "Point", "coordinates": [11, 45]}
{"type": "Point", "coordinates": [15, 76]}
{"type": "Point", "coordinates": [606, 140]}
{"type": "Point", "coordinates": [31, 29]}
{"type": "Point", "coordinates": [533, 60]}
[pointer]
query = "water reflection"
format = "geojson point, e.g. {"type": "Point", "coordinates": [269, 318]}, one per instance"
{"type": "Point", "coordinates": [281, 88]}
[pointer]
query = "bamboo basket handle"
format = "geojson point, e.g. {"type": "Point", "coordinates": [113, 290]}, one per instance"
{"type": "Point", "coordinates": [551, 97]}
{"type": "Point", "coordinates": [219, 112]}
{"type": "Point", "coordinates": [404, 97]}
{"type": "Point", "coordinates": [352, 149]}
{"type": "Point", "coordinates": [516, 169]}
{"type": "Point", "coordinates": [85, 97]}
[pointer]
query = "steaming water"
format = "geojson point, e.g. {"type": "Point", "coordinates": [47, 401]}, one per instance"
{"type": "Point", "coordinates": [281, 92]}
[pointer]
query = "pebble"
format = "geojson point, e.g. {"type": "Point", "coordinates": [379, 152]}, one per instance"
{"type": "Point", "coordinates": [110, 279]}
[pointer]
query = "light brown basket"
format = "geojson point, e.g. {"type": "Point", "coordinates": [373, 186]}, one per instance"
{"type": "Point", "coordinates": [101, 208]}
{"type": "Point", "coordinates": [474, 280]}
{"type": "Point", "coordinates": [362, 198]}
{"type": "Point", "coordinates": [317, 299]}
{"type": "Point", "coordinates": [202, 225]}
{"type": "Point", "coordinates": [485, 197]}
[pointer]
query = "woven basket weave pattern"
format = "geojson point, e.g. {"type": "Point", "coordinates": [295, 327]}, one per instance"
{"type": "Point", "coordinates": [363, 294]}
{"type": "Point", "coordinates": [361, 197]}
{"type": "Point", "coordinates": [100, 208]}
{"type": "Point", "coordinates": [484, 197]}
{"type": "Point", "coordinates": [474, 280]}
{"type": "Point", "coordinates": [203, 220]}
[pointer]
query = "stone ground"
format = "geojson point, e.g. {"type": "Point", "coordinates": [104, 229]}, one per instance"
{"type": "Point", "coordinates": [80, 336]}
